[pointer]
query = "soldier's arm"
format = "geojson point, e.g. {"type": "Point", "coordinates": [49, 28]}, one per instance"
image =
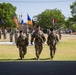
{"type": "Point", "coordinates": [17, 43]}
{"type": "Point", "coordinates": [57, 38]}
{"type": "Point", "coordinates": [26, 41]}
{"type": "Point", "coordinates": [43, 37]}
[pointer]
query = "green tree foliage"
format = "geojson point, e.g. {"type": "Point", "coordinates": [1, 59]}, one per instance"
{"type": "Point", "coordinates": [7, 12]}
{"type": "Point", "coordinates": [68, 23]}
{"type": "Point", "coordinates": [73, 11]}
{"type": "Point", "coordinates": [73, 27]}
{"type": "Point", "coordinates": [73, 8]}
{"type": "Point", "coordinates": [71, 22]}
{"type": "Point", "coordinates": [45, 19]}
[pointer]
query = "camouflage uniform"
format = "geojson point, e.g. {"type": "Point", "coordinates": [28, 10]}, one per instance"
{"type": "Point", "coordinates": [4, 31]}
{"type": "Point", "coordinates": [39, 39]}
{"type": "Point", "coordinates": [16, 35]}
{"type": "Point", "coordinates": [59, 34]}
{"type": "Point", "coordinates": [11, 35]}
{"type": "Point", "coordinates": [22, 43]}
{"type": "Point", "coordinates": [52, 41]}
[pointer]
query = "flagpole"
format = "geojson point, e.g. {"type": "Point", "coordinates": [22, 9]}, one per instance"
{"type": "Point", "coordinates": [53, 24]}
{"type": "Point", "coordinates": [54, 21]}
{"type": "Point", "coordinates": [19, 19]}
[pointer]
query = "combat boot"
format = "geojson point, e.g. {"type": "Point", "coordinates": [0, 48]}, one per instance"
{"type": "Point", "coordinates": [21, 58]}
{"type": "Point", "coordinates": [51, 56]}
{"type": "Point", "coordinates": [37, 57]}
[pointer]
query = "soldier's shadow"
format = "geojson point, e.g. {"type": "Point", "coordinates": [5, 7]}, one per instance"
{"type": "Point", "coordinates": [44, 58]}
{"type": "Point", "coordinates": [25, 59]}
{"type": "Point", "coordinates": [34, 59]}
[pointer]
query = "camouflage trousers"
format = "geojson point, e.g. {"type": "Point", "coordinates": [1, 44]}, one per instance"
{"type": "Point", "coordinates": [11, 38]}
{"type": "Point", "coordinates": [22, 51]}
{"type": "Point", "coordinates": [4, 35]}
{"type": "Point", "coordinates": [60, 37]}
{"type": "Point", "coordinates": [52, 50]}
{"type": "Point", "coordinates": [38, 49]}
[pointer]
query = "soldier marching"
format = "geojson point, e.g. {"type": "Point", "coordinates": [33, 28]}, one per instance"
{"type": "Point", "coordinates": [11, 35]}
{"type": "Point", "coordinates": [22, 43]}
{"type": "Point", "coordinates": [16, 34]}
{"type": "Point", "coordinates": [39, 40]}
{"type": "Point", "coordinates": [51, 42]}
{"type": "Point", "coordinates": [4, 31]}
{"type": "Point", "coordinates": [60, 36]}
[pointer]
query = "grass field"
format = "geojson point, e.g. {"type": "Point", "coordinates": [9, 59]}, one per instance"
{"type": "Point", "coordinates": [66, 51]}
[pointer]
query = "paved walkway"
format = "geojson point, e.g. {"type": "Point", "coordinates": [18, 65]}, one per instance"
{"type": "Point", "coordinates": [38, 68]}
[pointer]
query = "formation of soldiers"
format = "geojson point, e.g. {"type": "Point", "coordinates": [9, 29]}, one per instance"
{"type": "Point", "coordinates": [37, 36]}
{"type": "Point", "coordinates": [12, 32]}
{"type": "Point", "coordinates": [3, 32]}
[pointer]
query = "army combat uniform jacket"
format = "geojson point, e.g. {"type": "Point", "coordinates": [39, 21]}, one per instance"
{"type": "Point", "coordinates": [22, 41]}
{"type": "Point", "coordinates": [39, 37]}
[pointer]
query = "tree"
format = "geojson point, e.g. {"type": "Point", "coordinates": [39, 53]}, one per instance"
{"type": "Point", "coordinates": [73, 12]}
{"type": "Point", "coordinates": [7, 12]}
{"type": "Point", "coordinates": [71, 22]}
{"type": "Point", "coordinates": [73, 27]}
{"type": "Point", "coordinates": [73, 8]}
{"type": "Point", "coordinates": [45, 19]}
{"type": "Point", "coordinates": [68, 23]}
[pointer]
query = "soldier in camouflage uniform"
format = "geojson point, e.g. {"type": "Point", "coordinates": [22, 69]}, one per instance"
{"type": "Point", "coordinates": [11, 35]}
{"type": "Point", "coordinates": [4, 32]}
{"type": "Point", "coordinates": [52, 40]}
{"type": "Point", "coordinates": [59, 34]}
{"type": "Point", "coordinates": [16, 34]}
{"type": "Point", "coordinates": [39, 39]}
{"type": "Point", "coordinates": [22, 43]}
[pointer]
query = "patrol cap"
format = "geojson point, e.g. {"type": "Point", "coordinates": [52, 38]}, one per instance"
{"type": "Point", "coordinates": [51, 29]}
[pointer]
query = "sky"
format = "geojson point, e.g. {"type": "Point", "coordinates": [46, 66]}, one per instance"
{"type": "Point", "coordinates": [35, 7]}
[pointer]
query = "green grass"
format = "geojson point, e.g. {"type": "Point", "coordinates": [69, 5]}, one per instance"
{"type": "Point", "coordinates": [66, 51]}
